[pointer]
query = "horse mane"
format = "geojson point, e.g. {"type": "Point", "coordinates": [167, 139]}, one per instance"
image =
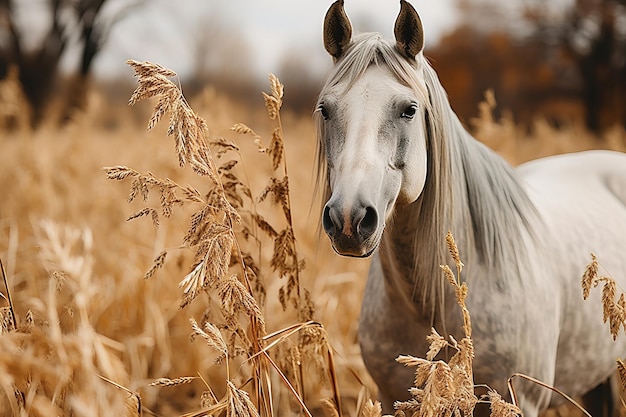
{"type": "Point", "coordinates": [469, 189]}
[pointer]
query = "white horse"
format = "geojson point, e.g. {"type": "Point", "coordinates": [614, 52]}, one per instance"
{"type": "Point", "coordinates": [400, 171]}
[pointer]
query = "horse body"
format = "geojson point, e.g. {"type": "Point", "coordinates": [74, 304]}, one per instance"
{"type": "Point", "coordinates": [537, 324]}
{"type": "Point", "coordinates": [582, 201]}
{"type": "Point", "coordinates": [400, 171]}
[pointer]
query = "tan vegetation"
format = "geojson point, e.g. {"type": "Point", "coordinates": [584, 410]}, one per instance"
{"type": "Point", "coordinates": [99, 312]}
{"type": "Point", "coordinates": [613, 307]}
{"type": "Point", "coordinates": [447, 388]}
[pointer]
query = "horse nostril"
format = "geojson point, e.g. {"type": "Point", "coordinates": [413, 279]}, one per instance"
{"type": "Point", "coordinates": [329, 221]}
{"type": "Point", "coordinates": [368, 224]}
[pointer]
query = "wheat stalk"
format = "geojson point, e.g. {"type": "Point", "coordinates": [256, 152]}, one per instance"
{"type": "Point", "coordinates": [447, 389]}
{"type": "Point", "coordinates": [501, 408]}
{"type": "Point", "coordinates": [440, 388]}
{"type": "Point", "coordinates": [285, 259]}
{"type": "Point", "coordinates": [166, 382]}
{"type": "Point", "coordinates": [7, 314]}
{"type": "Point", "coordinates": [544, 385]}
{"type": "Point", "coordinates": [218, 248]}
{"type": "Point", "coordinates": [211, 231]}
{"type": "Point", "coordinates": [371, 409]}
{"type": "Point", "coordinates": [612, 311]}
{"type": "Point", "coordinates": [613, 307]}
{"type": "Point", "coordinates": [137, 406]}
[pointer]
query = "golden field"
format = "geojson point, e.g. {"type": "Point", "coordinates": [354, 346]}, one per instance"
{"type": "Point", "coordinates": [93, 335]}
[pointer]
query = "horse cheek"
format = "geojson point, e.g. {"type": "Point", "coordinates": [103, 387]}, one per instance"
{"type": "Point", "coordinates": [413, 182]}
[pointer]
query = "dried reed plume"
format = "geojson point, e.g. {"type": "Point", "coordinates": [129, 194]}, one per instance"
{"type": "Point", "coordinates": [447, 388]}
{"type": "Point", "coordinates": [440, 388]}
{"type": "Point", "coordinates": [285, 260]}
{"type": "Point", "coordinates": [218, 235]}
{"type": "Point", "coordinates": [612, 311]}
{"type": "Point", "coordinates": [7, 313]}
{"type": "Point", "coordinates": [166, 382]}
{"type": "Point", "coordinates": [53, 358]}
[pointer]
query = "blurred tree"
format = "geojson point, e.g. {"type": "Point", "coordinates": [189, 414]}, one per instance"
{"type": "Point", "coordinates": [472, 59]}
{"type": "Point", "coordinates": [592, 33]}
{"type": "Point", "coordinates": [222, 57]}
{"type": "Point", "coordinates": [303, 83]}
{"type": "Point", "coordinates": [61, 22]}
{"type": "Point", "coordinates": [564, 62]}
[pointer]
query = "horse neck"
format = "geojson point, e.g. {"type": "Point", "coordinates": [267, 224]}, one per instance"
{"type": "Point", "coordinates": [407, 272]}
{"type": "Point", "coordinates": [480, 201]}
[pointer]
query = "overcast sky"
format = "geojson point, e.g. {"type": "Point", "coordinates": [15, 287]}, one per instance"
{"type": "Point", "coordinates": [165, 31]}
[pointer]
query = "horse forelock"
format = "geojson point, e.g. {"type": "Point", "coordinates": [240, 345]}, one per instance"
{"type": "Point", "coordinates": [367, 49]}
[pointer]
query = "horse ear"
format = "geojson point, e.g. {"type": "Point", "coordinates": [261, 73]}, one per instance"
{"type": "Point", "coordinates": [408, 31]}
{"type": "Point", "coordinates": [337, 30]}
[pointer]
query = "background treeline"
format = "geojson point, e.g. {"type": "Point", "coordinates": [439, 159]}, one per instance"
{"type": "Point", "coordinates": [565, 62]}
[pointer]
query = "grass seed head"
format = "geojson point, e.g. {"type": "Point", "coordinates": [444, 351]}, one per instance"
{"type": "Point", "coordinates": [501, 408]}
{"type": "Point", "coordinates": [166, 382]}
{"type": "Point", "coordinates": [621, 370]}
{"type": "Point", "coordinates": [590, 276]}
{"type": "Point", "coordinates": [239, 403]}
{"type": "Point", "coordinates": [211, 335]}
{"type": "Point", "coordinates": [372, 409]}
{"type": "Point", "coordinates": [454, 251]}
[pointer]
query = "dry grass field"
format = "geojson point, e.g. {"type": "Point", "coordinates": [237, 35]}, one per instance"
{"type": "Point", "coordinates": [93, 336]}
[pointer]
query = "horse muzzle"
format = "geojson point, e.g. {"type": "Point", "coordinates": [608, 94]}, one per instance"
{"type": "Point", "coordinates": [353, 231]}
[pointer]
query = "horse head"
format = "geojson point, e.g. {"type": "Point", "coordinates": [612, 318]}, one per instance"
{"type": "Point", "coordinates": [372, 127]}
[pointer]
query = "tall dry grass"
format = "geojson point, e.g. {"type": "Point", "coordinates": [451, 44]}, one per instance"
{"type": "Point", "coordinates": [59, 213]}
{"type": "Point", "coordinates": [613, 307]}
{"type": "Point", "coordinates": [92, 336]}
{"type": "Point", "coordinates": [224, 235]}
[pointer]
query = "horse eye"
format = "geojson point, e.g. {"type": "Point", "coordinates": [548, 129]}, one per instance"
{"type": "Point", "coordinates": [410, 111]}
{"type": "Point", "coordinates": [324, 111]}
